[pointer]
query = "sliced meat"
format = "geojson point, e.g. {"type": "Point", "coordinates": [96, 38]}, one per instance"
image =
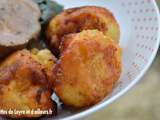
{"type": "Point", "coordinates": [18, 24]}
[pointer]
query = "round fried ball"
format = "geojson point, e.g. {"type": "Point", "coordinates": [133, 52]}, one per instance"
{"type": "Point", "coordinates": [24, 86]}
{"type": "Point", "coordinates": [75, 20]}
{"type": "Point", "coordinates": [89, 66]}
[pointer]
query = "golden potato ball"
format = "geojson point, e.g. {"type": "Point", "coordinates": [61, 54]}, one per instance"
{"type": "Point", "coordinates": [88, 69]}
{"type": "Point", "coordinates": [75, 20]}
{"type": "Point", "coordinates": [24, 85]}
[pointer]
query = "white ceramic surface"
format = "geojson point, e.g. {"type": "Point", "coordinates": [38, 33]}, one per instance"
{"type": "Point", "coordinates": [139, 22]}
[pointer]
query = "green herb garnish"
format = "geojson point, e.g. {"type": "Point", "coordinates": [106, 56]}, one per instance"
{"type": "Point", "coordinates": [48, 9]}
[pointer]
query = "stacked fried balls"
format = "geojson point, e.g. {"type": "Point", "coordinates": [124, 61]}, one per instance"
{"type": "Point", "coordinates": [89, 64]}
{"type": "Point", "coordinates": [85, 41]}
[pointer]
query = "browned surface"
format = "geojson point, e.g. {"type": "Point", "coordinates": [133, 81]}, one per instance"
{"type": "Point", "coordinates": [24, 84]}
{"type": "Point", "coordinates": [87, 69]}
{"type": "Point", "coordinates": [82, 18]}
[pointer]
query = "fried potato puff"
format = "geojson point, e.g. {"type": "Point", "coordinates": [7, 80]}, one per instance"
{"type": "Point", "coordinates": [24, 84]}
{"type": "Point", "coordinates": [89, 66]}
{"type": "Point", "coordinates": [75, 20]}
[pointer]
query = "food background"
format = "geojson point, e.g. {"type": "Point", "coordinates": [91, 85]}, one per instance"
{"type": "Point", "coordinates": [141, 103]}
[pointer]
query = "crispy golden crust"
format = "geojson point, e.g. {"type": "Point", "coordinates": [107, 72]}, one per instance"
{"type": "Point", "coordinates": [81, 18]}
{"type": "Point", "coordinates": [47, 60]}
{"type": "Point", "coordinates": [24, 85]}
{"type": "Point", "coordinates": [89, 66]}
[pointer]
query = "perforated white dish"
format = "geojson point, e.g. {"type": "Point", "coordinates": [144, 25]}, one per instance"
{"type": "Point", "coordinates": [139, 22]}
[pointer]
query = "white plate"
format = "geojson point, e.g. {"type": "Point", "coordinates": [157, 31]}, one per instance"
{"type": "Point", "coordinates": [139, 22]}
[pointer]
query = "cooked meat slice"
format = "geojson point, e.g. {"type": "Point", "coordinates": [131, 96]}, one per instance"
{"type": "Point", "coordinates": [75, 20]}
{"type": "Point", "coordinates": [89, 66]}
{"type": "Point", "coordinates": [18, 24]}
{"type": "Point", "coordinates": [24, 84]}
